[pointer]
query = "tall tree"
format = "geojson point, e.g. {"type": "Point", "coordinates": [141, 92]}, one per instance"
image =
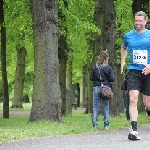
{"type": "Point", "coordinates": [69, 89]}
{"type": "Point", "coordinates": [62, 55]}
{"type": "Point", "coordinates": [105, 19]}
{"type": "Point", "coordinates": [109, 36]}
{"type": "Point", "coordinates": [62, 69]}
{"type": "Point", "coordinates": [19, 78]}
{"type": "Point", "coordinates": [3, 63]}
{"type": "Point", "coordinates": [46, 101]}
{"type": "Point", "coordinates": [18, 22]}
{"type": "Point", "coordinates": [83, 89]}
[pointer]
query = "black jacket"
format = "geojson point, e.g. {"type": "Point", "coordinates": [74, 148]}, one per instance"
{"type": "Point", "coordinates": [107, 75]}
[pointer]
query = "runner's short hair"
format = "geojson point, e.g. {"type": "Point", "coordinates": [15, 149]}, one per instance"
{"type": "Point", "coordinates": [142, 13]}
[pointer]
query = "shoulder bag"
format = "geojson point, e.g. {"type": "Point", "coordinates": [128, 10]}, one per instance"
{"type": "Point", "coordinates": [106, 91]}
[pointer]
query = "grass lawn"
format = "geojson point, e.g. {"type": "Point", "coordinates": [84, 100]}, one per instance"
{"type": "Point", "coordinates": [17, 127]}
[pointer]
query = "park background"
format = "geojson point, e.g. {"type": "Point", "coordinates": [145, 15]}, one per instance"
{"type": "Point", "coordinates": [49, 47]}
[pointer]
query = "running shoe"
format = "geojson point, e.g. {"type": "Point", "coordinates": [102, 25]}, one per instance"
{"type": "Point", "coordinates": [133, 135]}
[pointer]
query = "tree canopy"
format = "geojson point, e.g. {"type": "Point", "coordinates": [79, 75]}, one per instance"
{"type": "Point", "coordinates": [79, 24]}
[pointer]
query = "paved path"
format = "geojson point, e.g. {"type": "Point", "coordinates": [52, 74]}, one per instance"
{"type": "Point", "coordinates": [112, 140]}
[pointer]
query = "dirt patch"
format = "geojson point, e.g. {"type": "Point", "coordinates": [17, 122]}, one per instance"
{"type": "Point", "coordinates": [21, 113]}
{"type": "Point", "coordinates": [16, 113]}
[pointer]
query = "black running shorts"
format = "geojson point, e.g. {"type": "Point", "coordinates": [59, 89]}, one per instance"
{"type": "Point", "coordinates": [138, 81]}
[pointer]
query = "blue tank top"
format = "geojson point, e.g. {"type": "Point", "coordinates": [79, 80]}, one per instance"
{"type": "Point", "coordinates": [138, 48]}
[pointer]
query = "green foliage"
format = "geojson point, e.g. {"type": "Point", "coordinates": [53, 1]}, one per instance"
{"type": "Point", "coordinates": [124, 16]}
{"type": "Point", "coordinates": [75, 22]}
{"type": "Point", "coordinates": [124, 22]}
{"type": "Point", "coordinates": [18, 21]}
{"type": "Point", "coordinates": [18, 24]}
{"type": "Point", "coordinates": [77, 27]}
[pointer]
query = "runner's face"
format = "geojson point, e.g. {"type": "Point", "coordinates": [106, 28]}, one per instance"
{"type": "Point", "coordinates": [139, 22]}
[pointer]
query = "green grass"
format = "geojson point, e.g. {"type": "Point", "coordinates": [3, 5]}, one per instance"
{"type": "Point", "coordinates": [26, 106]}
{"type": "Point", "coordinates": [17, 127]}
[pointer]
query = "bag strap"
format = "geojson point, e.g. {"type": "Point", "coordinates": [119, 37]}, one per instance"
{"type": "Point", "coordinates": [100, 75]}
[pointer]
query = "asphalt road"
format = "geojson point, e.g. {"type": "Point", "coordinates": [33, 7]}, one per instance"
{"type": "Point", "coordinates": [110, 140]}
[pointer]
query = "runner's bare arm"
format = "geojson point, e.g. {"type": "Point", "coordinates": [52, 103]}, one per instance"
{"type": "Point", "coordinates": [123, 57]}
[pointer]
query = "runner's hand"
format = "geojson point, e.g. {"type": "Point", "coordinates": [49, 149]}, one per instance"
{"type": "Point", "coordinates": [146, 70]}
{"type": "Point", "coordinates": [122, 66]}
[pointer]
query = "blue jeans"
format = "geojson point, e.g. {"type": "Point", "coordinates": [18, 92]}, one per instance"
{"type": "Point", "coordinates": [96, 106]}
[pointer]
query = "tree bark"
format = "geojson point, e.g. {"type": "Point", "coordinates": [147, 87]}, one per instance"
{"type": "Point", "coordinates": [78, 95]}
{"type": "Point", "coordinates": [62, 70]}
{"type": "Point", "coordinates": [3, 63]}
{"type": "Point", "coordinates": [110, 37]}
{"type": "Point", "coordinates": [19, 78]}
{"type": "Point", "coordinates": [69, 91]}
{"type": "Point", "coordinates": [88, 90]}
{"type": "Point", "coordinates": [62, 56]}
{"type": "Point", "coordinates": [46, 101]}
{"type": "Point", "coordinates": [83, 100]}
{"type": "Point", "coordinates": [105, 19]}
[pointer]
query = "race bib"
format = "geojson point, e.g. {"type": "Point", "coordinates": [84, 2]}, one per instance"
{"type": "Point", "coordinates": [140, 56]}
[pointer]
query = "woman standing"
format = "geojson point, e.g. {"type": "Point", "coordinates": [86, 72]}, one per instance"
{"type": "Point", "coordinates": [107, 76]}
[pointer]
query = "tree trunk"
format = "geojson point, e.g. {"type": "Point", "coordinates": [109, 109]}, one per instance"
{"type": "Point", "coordinates": [19, 78]}
{"type": "Point", "coordinates": [69, 91]}
{"type": "Point", "coordinates": [78, 95]}
{"type": "Point", "coordinates": [63, 57]}
{"type": "Point", "coordinates": [46, 101]}
{"type": "Point", "coordinates": [3, 63]}
{"type": "Point", "coordinates": [99, 15]}
{"type": "Point", "coordinates": [89, 90]}
{"type": "Point", "coordinates": [62, 70]}
{"type": "Point", "coordinates": [83, 101]}
{"type": "Point", "coordinates": [105, 19]}
{"type": "Point", "coordinates": [110, 37]}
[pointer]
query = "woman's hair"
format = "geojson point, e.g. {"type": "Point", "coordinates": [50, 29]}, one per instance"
{"type": "Point", "coordinates": [102, 58]}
